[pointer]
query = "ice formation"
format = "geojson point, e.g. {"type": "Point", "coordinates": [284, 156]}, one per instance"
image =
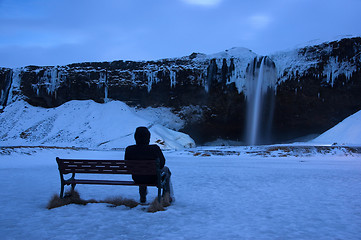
{"type": "Point", "coordinates": [173, 78]}
{"type": "Point", "coordinates": [152, 78]}
{"type": "Point", "coordinates": [51, 79]}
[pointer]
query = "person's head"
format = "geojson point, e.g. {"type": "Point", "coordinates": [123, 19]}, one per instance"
{"type": "Point", "coordinates": [142, 136]}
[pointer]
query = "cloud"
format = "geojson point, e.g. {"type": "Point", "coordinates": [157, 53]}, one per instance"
{"type": "Point", "coordinates": [259, 21]}
{"type": "Point", "coordinates": [203, 2]}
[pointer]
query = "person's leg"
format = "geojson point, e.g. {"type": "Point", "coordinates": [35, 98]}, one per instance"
{"type": "Point", "coordinates": [167, 189]}
{"type": "Point", "coordinates": [143, 193]}
{"type": "Point", "coordinates": [165, 178]}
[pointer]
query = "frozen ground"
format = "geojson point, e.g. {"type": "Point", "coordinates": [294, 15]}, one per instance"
{"type": "Point", "coordinates": [221, 193]}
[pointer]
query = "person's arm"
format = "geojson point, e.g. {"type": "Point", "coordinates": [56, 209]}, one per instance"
{"type": "Point", "coordinates": [161, 157]}
{"type": "Point", "coordinates": [126, 157]}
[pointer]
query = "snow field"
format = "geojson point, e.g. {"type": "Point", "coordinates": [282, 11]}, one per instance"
{"type": "Point", "coordinates": [217, 197]}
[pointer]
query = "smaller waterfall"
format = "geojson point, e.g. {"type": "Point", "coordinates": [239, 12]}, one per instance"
{"type": "Point", "coordinates": [104, 81]}
{"type": "Point", "coordinates": [261, 82]}
{"type": "Point", "coordinates": [15, 85]}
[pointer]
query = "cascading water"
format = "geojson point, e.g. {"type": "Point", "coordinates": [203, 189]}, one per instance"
{"type": "Point", "coordinates": [103, 81]}
{"type": "Point", "coordinates": [256, 108]}
{"type": "Point", "coordinates": [261, 82]}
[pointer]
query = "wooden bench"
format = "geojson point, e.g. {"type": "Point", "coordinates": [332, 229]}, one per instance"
{"type": "Point", "coordinates": [138, 167]}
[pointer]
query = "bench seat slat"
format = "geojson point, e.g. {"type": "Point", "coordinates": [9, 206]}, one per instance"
{"type": "Point", "coordinates": [104, 182]}
{"type": "Point", "coordinates": [106, 171]}
{"type": "Point", "coordinates": [139, 167]}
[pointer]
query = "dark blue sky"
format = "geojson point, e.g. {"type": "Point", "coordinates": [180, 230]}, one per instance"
{"type": "Point", "coordinates": [58, 32]}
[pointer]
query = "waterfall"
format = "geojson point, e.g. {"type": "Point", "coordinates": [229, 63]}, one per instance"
{"type": "Point", "coordinates": [260, 92]}
{"type": "Point", "coordinates": [15, 85]}
{"type": "Point", "coordinates": [256, 108]}
{"type": "Point", "coordinates": [104, 81]}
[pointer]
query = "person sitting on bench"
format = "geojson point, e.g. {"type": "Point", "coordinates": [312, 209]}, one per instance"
{"type": "Point", "coordinates": [142, 150]}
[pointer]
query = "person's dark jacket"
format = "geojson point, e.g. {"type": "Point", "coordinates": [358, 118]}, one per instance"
{"type": "Point", "coordinates": [143, 151]}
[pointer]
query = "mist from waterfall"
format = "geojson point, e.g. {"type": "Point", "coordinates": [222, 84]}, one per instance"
{"type": "Point", "coordinates": [261, 88]}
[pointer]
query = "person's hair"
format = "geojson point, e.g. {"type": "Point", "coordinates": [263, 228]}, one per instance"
{"type": "Point", "coordinates": [142, 135]}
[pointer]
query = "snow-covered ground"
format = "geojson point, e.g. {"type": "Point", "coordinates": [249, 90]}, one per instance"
{"type": "Point", "coordinates": [236, 195]}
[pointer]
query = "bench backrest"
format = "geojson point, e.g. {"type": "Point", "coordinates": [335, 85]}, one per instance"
{"type": "Point", "coordinates": [138, 167]}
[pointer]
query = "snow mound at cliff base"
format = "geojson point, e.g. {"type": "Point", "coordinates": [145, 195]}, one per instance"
{"type": "Point", "coordinates": [347, 132]}
{"type": "Point", "coordinates": [82, 124]}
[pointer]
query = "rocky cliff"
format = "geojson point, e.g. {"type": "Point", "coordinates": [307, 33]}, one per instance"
{"type": "Point", "coordinates": [316, 87]}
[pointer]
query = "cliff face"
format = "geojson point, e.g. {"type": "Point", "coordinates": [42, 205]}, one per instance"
{"type": "Point", "coordinates": [316, 87]}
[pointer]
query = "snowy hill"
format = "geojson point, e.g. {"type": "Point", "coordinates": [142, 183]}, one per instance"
{"type": "Point", "coordinates": [86, 124]}
{"type": "Point", "coordinates": [347, 132]}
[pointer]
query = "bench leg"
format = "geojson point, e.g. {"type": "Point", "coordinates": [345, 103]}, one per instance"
{"type": "Point", "coordinates": [73, 184]}
{"type": "Point", "coordinates": [159, 194]}
{"type": "Point", "coordinates": [72, 187]}
{"type": "Point", "coordinates": [62, 191]}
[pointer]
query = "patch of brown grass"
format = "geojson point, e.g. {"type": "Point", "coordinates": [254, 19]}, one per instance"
{"type": "Point", "coordinates": [156, 206]}
{"type": "Point", "coordinates": [206, 155]}
{"type": "Point", "coordinates": [119, 201]}
{"type": "Point", "coordinates": [74, 197]}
